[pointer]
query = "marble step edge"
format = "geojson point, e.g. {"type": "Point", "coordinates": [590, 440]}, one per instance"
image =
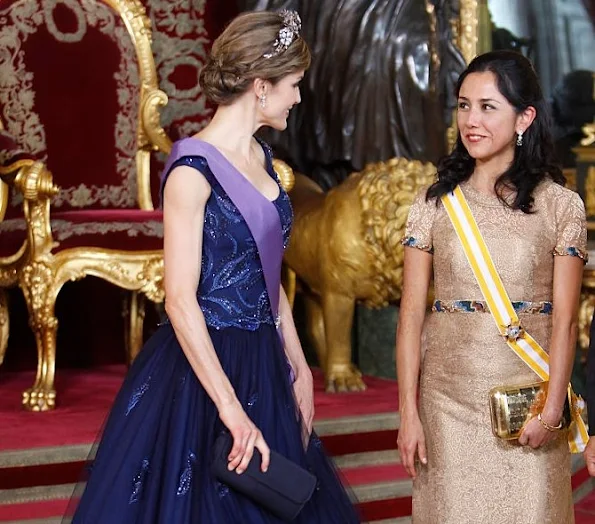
{"type": "Point", "coordinates": [367, 459]}
{"type": "Point", "coordinates": [79, 452]}
{"type": "Point", "coordinates": [358, 424]}
{"type": "Point", "coordinates": [363, 493]}
{"type": "Point", "coordinates": [44, 455]}
{"type": "Point", "coordinates": [65, 454]}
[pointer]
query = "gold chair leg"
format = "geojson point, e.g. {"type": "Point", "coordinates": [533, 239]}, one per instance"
{"type": "Point", "coordinates": [134, 327]}
{"type": "Point", "coordinates": [4, 324]}
{"type": "Point", "coordinates": [36, 283]}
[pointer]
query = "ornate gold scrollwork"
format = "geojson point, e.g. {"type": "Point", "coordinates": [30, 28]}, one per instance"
{"type": "Point", "coordinates": [590, 191]}
{"type": "Point", "coordinates": [387, 190]}
{"type": "Point", "coordinates": [152, 104]}
{"type": "Point", "coordinates": [151, 279]}
{"type": "Point", "coordinates": [285, 174]}
{"type": "Point", "coordinates": [465, 35]}
{"type": "Point", "coordinates": [589, 132]}
{"type": "Point", "coordinates": [41, 274]}
{"type": "Point", "coordinates": [469, 23]}
{"type": "Point", "coordinates": [36, 185]}
{"type": "Point", "coordinates": [153, 138]}
{"type": "Point", "coordinates": [31, 269]}
{"type": "Point", "coordinates": [35, 280]}
{"type": "Point", "coordinates": [151, 135]}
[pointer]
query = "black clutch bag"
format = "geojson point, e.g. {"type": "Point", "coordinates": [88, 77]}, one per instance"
{"type": "Point", "coordinates": [283, 490]}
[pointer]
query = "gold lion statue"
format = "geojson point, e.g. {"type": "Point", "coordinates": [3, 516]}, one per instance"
{"type": "Point", "coordinates": [346, 247]}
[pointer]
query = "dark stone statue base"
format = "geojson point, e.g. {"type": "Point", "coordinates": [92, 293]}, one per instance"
{"type": "Point", "coordinates": [374, 347]}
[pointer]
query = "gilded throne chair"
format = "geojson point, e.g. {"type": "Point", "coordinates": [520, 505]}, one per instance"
{"type": "Point", "coordinates": [79, 103]}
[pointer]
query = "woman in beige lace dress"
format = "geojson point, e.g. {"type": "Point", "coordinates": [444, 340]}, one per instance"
{"type": "Point", "coordinates": [534, 229]}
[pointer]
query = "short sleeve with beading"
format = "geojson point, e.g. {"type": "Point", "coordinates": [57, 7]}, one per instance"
{"type": "Point", "coordinates": [418, 231]}
{"type": "Point", "coordinates": [571, 227]}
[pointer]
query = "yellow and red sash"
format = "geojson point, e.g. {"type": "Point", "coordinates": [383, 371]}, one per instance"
{"type": "Point", "coordinates": [525, 346]}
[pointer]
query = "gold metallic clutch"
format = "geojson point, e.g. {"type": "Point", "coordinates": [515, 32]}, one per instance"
{"type": "Point", "coordinates": [511, 407]}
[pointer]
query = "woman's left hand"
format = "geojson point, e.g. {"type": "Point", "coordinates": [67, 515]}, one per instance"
{"type": "Point", "coordinates": [303, 389]}
{"type": "Point", "coordinates": [535, 435]}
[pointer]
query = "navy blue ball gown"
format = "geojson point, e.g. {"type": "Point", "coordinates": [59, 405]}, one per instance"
{"type": "Point", "coordinates": [152, 463]}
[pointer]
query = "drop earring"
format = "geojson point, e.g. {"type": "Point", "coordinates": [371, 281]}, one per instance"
{"type": "Point", "coordinates": [519, 139]}
{"type": "Point", "coordinates": [263, 100]}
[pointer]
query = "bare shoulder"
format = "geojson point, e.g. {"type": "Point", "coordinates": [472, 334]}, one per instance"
{"type": "Point", "coordinates": [186, 187]}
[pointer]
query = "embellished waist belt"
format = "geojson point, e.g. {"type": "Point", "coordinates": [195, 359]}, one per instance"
{"type": "Point", "coordinates": [481, 306]}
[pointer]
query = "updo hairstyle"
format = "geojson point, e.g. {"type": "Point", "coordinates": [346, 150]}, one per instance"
{"type": "Point", "coordinates": [237, 57]}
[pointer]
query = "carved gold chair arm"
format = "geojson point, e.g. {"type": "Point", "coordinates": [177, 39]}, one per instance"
{"type": "Point", "coordinates": [35, 182]}
{"type": "Point", "coordinates": [285, 174]}
{"type": "Point", "coordinates": [28, 177]}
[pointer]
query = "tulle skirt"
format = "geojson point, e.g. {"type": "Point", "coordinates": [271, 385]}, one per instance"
{"type": "Point", "coordinates": [152, 464]}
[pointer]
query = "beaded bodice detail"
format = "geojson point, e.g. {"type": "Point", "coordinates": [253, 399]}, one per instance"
{"type": "Point", "coordinates": [232, 290]}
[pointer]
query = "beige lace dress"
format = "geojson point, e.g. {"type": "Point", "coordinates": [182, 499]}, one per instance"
{"type": "Point", "coordinates": [473, 477]}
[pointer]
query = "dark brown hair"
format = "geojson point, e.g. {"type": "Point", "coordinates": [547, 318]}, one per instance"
{"type": "Point", "coordinates": [237, 57]}
{"type": "Point", "coordinates": [534, 161]}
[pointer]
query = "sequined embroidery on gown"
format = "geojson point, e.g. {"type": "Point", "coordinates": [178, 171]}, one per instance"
{"type": "Point", "coordinates": [152, 463]}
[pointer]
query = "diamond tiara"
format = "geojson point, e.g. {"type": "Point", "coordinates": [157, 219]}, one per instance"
{"type": "Point", "coordinates": [289, 32]}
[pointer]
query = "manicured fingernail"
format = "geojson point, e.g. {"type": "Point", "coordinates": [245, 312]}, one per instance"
{"type": "Point", "coordinates": [424, 460]}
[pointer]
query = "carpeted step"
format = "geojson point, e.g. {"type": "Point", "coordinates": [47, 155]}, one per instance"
{"type": "Point", "coordinates": [41, 454]}
{"type": "Point", "coordinates": [34, 503]}
{"type": "Point", "coordinates": [394, 473]}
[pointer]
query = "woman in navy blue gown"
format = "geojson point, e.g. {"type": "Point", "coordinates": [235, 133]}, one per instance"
{"type": "Point", "coordinates": [228, 357]}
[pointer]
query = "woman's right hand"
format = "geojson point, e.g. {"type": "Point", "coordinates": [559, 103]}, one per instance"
{"type": "Point", "coordinates": [411, 441]}
{"type": "Point", "coordinates": [246, 436]}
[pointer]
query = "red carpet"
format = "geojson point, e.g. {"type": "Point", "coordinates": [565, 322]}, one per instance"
{"type": "Point", "coordinates": [33, 510]}
{"type": "Point", "coordinates": [584, 511]}
{"type": "Point", "coordinates": [84, 398]}
{"type": "Point", "coordinates": [372, 474]}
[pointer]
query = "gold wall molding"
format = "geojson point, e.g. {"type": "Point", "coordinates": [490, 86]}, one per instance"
{"type": "Point", "coordinates": [589, 132]}
{"type": "Point", "coordinates": [468, 37]}
{"type": "Point", "coordinates": [590, 191]}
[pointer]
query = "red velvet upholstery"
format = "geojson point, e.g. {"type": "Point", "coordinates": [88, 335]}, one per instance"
{"type": "Point", "coordinates": [10, 153]}
{"type": "Point", "coordinates": [73, 97]}
{"type": "Point", "coordinates": [125, 229]}
{"type": "Point", "coordinates": [182, 36]}
{"type": "Point", "coordinates": [70, 96]}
